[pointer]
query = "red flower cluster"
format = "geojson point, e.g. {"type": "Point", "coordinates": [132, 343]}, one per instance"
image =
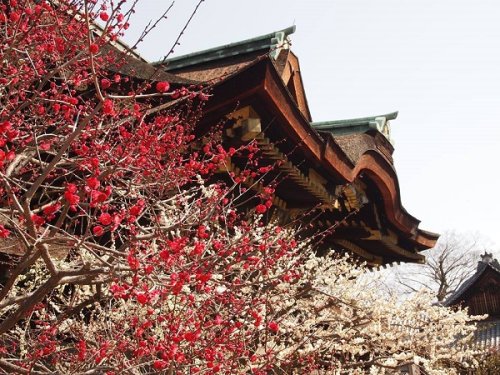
{"type": "Point", "coordinates": [118, 194]}
{"type": "Point", "coordinates": [162, 86]}
{"type": "Point", "coordinates": [261, 209]}
{"type": "Point", "coordinates": [94, 48]}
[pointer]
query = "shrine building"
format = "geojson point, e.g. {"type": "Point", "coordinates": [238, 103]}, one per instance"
{"type": "Point", "coordinates": [343, 169]}
{"type": "Point", "coordinates": [480, 294]}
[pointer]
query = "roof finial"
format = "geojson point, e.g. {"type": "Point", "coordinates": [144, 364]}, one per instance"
{"type": "Point", "coordinates": [487, 257]}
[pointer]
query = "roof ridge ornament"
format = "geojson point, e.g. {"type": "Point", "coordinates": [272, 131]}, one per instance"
{"type": "Point", "coordinates": [487, 257]}
{"type": "Point", "coordinates": [280, 41]}
{"type": "Point", "coordinates": [382, 125]}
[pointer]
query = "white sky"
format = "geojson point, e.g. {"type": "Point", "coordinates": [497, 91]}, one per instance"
{"type": "Point", "coordinates": [437, 62]}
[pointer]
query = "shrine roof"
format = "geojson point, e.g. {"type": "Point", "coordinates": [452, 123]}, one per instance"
{"type": "Point", "coordinates": [264, 72]}
{"type": "Point", "coordinates": [357, 144]}
{"type": "Point", "coordinates": [357, 136]}
{"type": "Point", "coordinates": [132, 66]}
{"type": "Point", "coordinates": [271, 42]}
{"type": "Point", "coordinates": [356, 125]}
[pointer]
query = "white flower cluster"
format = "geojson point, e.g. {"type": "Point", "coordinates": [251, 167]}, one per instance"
{"type": "Point", "coordinates": [355, 326]}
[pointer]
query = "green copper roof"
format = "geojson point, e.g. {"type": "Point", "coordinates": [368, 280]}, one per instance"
{"type": "Point", "coordinates": [270, 42]}
{"type": "Point", "coordinates": [327, 125]}
{"type": "Point", "coordinates": [357, 125]}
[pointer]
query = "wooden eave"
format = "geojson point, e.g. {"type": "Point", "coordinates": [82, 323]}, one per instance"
{"type": "Point", "coordinates": [261, 82]}
{"type": "Point", "coordinates": [331, 156]}
{"type": "Point", "coordinates": [291, 73]}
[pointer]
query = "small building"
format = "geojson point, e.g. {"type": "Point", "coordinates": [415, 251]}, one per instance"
{"type": "Point", "coordinates": [481, 295]}
{"type": "Point", "coordinates": [343, 169]}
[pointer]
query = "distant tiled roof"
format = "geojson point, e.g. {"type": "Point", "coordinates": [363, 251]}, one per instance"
{"type": "Point", "coordinates": [487, 262]}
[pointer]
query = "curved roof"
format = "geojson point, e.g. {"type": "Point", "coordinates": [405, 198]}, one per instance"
{"type": "Point", "coordinates": [326, 152]}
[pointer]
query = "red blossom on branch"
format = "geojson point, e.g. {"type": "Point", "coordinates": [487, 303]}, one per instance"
{"type": "Point", "coordinates": [162, 86]}
{"type": "Point", "coordinates": [261, 209]}
{"type": "Point", "coordinates": [104, 16]}
{"type": "Point", "coordinates": [132, 250]}
{"type": "Point", "coordinates": [4, 233]}
{"type": "Point", "coordinates": [94, 48]}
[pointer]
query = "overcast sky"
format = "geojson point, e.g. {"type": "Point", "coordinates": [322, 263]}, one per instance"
{"type": "Point", "coordinates": [436, 62]}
